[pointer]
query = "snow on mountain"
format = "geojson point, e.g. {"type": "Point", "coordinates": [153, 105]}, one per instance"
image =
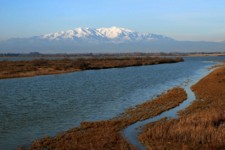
{"type": "Point", "coordinates": [113, 34]}
{"type": "Point", "coordinates": [118, 33]}
{"type": "Point", "coordinates": [113, 39]}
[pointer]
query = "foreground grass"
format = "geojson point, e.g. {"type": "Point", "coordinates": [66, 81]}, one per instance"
{"type": "Point", "coordinates": [13, 69]}
{"type": "Point", "coordinates": [199, 126]}
{"type": "Point", "coordinates": [107, 134]}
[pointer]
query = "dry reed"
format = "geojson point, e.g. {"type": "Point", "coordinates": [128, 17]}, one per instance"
{"type": "Point", "coordinates": [200, 126]}
{"type": "Point", "coordinates": [13, 69]}
{"type": "Point", "coordinates": [107, 134]}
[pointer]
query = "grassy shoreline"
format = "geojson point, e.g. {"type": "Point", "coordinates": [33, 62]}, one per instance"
{"type": "Point", "coordinates": [107, 134]}
{"type": "Point", "coordinates": [200, 126]}
{"type": "Point", "coordinates": [16, 69]}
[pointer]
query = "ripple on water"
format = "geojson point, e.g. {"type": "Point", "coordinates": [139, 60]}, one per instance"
{"type": "Point", "coordinates": [34, 107]}
{"type": "Point", "coordinates": [131, 132]}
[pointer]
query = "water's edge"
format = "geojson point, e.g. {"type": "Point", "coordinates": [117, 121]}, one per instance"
{"type": "Point", "coordinates": [33, 108]}
{"type": "Point", "coordinates": [131, 132]}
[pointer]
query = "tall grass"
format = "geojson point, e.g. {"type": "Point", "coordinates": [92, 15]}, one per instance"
{"type": "Point", "coordinates": [107, 134]}
{"type": "Point", "coordinates": [11, 69]}
{"type": "Point", "coordinates": [199, 126]}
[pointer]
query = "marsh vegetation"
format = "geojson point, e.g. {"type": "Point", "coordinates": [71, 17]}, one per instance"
{"type": "Point", "coordinates": [107, 134]}
{"type": "Point", "coordinates": [200, 126]}
{"type": "Point", "coordinates": [12, 69]}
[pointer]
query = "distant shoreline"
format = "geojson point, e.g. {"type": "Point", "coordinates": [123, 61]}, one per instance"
{"type": "Point", "coordinates": [104, 55]}
{"type": "Point", "coordinates": [29, 68]}
{"type": "Point", "coordinates": [201, 55]}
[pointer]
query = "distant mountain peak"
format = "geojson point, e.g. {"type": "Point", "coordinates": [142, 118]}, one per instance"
{"type": "Point", "coordinates": [105, 39]}
{"type": "Point", "coordinates": [103, 34]}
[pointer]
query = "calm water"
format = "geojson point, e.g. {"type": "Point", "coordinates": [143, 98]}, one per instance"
{"type": "Point", "coordinates": [131, 132]}
{"type": "Point", "coordinates": [34, 107]}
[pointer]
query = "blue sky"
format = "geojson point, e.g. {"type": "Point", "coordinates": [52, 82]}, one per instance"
{"type": "Point", "coordinates": [179, 19]}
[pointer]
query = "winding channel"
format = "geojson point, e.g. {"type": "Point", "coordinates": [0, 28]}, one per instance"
{"type": "Point", "coordinates": [131, 132]}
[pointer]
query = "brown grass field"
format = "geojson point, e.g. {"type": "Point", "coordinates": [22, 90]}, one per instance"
{"type": "Point", "coordinates": [14, 69]}
{"type": "Point", "coordinates": [107, 134]}
{"type": "Point", "coordinates": [200, 126]}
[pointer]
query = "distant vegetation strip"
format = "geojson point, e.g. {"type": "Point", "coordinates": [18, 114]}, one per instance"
{"type": "Point", "coordinates": [92, 55]}
{"type": "Point", "coordinates": [13, 69]}
{"type": "Point", "coordinates": [107, 134]}
{"type": "Point", "coordinates": [199, 126]}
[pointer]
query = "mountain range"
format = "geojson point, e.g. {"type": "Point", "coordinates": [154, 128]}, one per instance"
{"type": "Point", "coordinates": [113, 39]}
{"type": "Point", "coordinates": [113, 34]}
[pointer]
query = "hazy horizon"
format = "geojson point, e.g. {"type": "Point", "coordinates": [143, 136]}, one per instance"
{"type": "Point", "coordinates": [197, 40]}
{"type": "Point", "coordinates": [182, 20]}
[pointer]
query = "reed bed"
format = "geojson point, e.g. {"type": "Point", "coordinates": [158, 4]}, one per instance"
{"type": "Point", "coordinates": [200, 126]}
{"type": "Point", "coordinates": [107, 134]}
{"type": "Point", "coordinates": [13, 69]}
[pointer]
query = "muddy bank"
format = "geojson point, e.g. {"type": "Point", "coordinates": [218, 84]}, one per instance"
{"type": "Point", "coordinates": [14, 69]}
{"type": "Point", "coordinates": [200, 126]}
{"type": "Point", "coordinates": [107, 134]}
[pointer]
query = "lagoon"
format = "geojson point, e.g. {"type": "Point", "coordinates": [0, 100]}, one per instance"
{"type": "Point", "coordinates": [34, 107]}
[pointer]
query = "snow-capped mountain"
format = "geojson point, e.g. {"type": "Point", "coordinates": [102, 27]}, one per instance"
{"type": "Point", "coordinates": [114, 39]}
{"type": "Point", "coordinates": [113, 34]}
